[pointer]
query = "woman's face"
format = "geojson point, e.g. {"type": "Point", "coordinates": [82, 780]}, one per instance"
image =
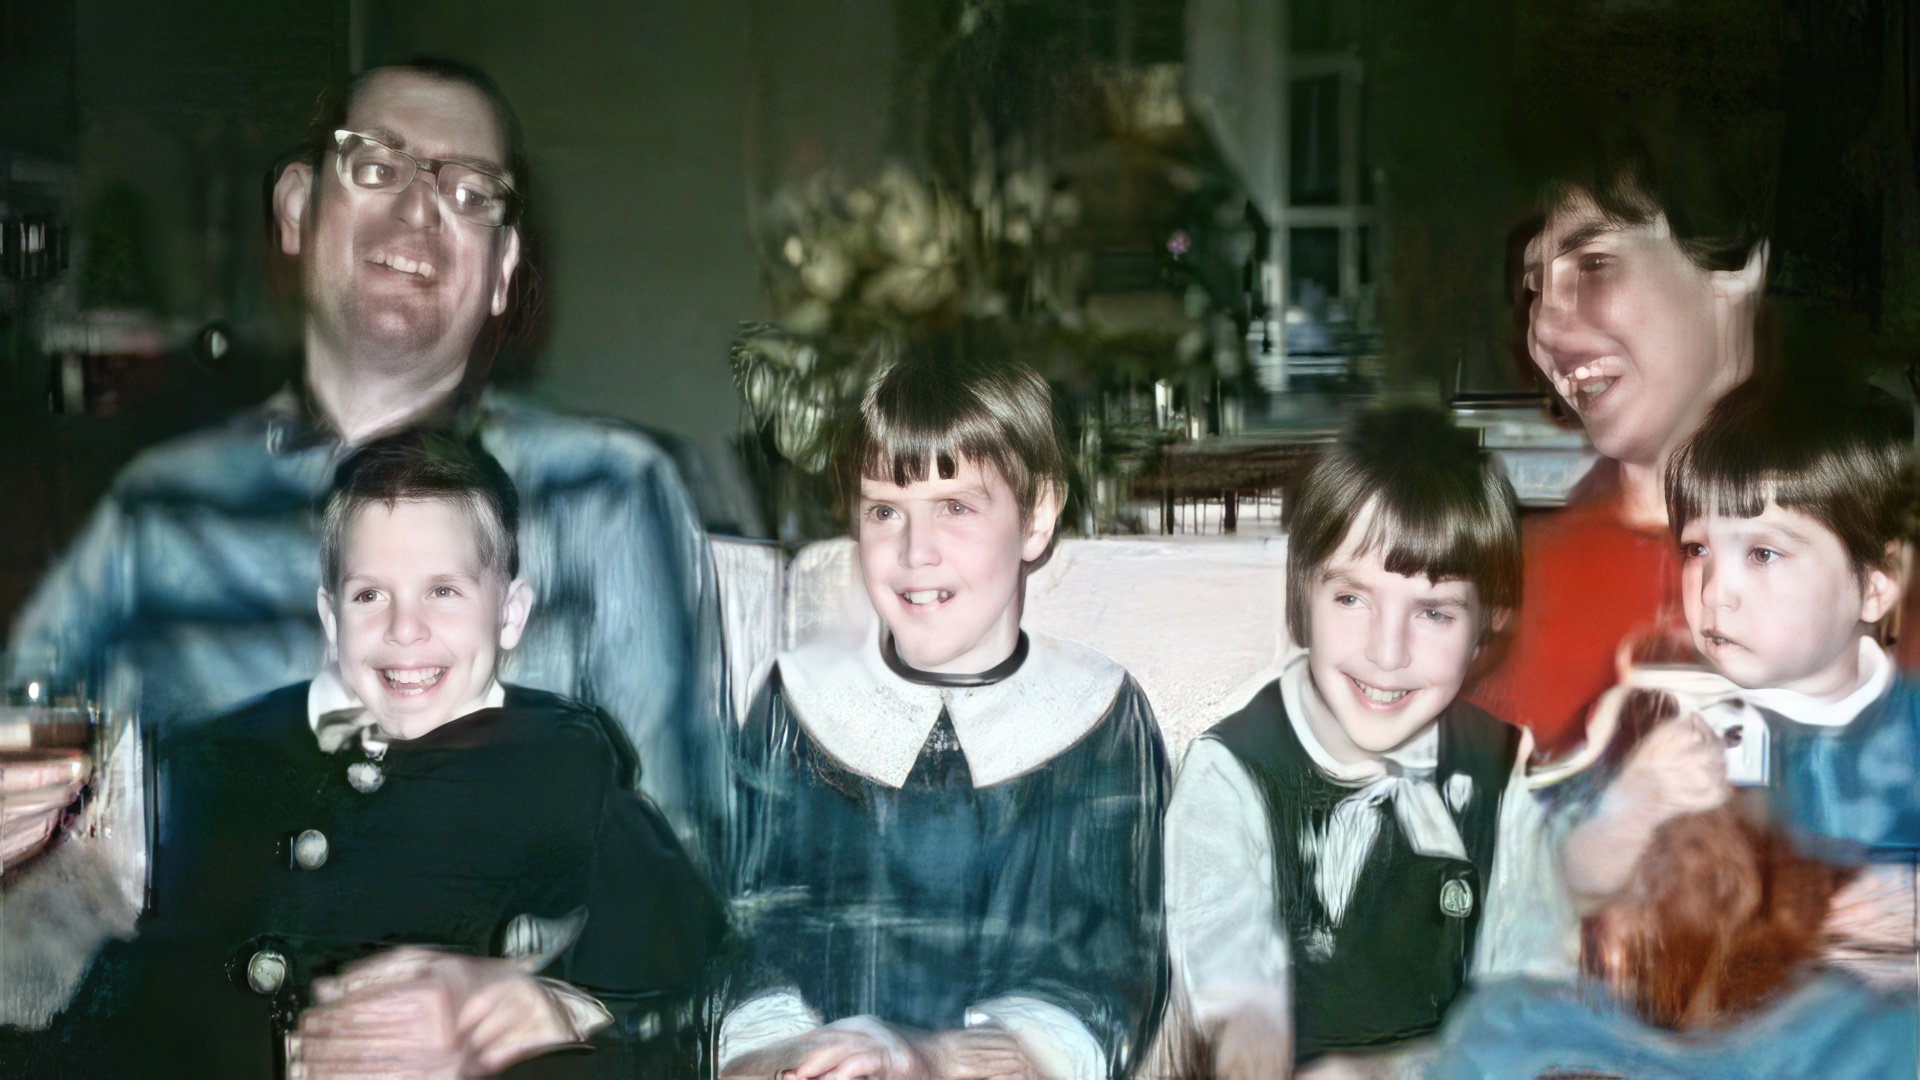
{"type": "Point", "coordinates": [1632, 334]}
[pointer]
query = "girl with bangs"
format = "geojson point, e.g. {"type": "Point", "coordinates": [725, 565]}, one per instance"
{"type": "Point", "coordinates": [1356, 842]}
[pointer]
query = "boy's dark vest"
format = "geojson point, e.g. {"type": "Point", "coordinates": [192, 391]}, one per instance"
{"type": "Point", "coordinates": [1400, 955]}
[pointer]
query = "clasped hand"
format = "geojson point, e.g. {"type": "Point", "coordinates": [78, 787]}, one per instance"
{"type": "Point", "coordinates": [862, 1048]}
{"type": "Point", "coordinates": [420, 1013]}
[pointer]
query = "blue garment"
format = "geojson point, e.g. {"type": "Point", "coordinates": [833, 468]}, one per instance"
{"type": "Point", "coordinates": [917, 903]}
{"type": "Point", "coordinates": [1856, 790]}
{"type": "Point", "coordinates": [1829, 1026]}
{"type": "Point", "coordinates": [198, 570]}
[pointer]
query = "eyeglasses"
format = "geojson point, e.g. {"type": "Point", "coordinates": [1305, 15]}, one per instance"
{"type": "Point", "coordinates": [476, 195]}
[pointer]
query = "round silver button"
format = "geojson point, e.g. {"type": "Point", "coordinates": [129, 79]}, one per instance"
{"type": "Point", "coordinates": [365, 777]}
{"type": "Point", "coordinates": [1456, 898]}
{"type": "Point", "coordinates": [266, 971]}
{"type": "Point", "coordinates": [310, 850]}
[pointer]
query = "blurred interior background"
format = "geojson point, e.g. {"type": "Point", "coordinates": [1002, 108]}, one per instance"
{"type": "Point", "coordinates": [1216, 225]}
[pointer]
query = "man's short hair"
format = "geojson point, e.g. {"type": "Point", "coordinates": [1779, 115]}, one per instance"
{"type": "Point", "coordinates": [941, 401]}
{"type": "Point", "coordinates": [1717, 199]}
{"type": "Point", "coordinates": [424, 465]}
{"type": "Point", "coordinates": [1433, 502]}
{"type": "Point", "coordinates": [1838, 456]}
{"type": "Point", "coordinates": [335, 103]}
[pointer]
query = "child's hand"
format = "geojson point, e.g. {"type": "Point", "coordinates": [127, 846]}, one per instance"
{"type": "Point", "coordinates": [851, 1049]}
{"type": "Point", "coordinates": [420, 1012]}
{"type": "Point", "coordinates": [1679, 768]}
{"type": "Point", "coordinates": [983, 1053]}
{"type": "Point", "coordinates": [1253, 1042]}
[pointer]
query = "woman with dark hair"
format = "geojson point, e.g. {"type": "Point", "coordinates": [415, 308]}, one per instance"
{"type": "Point", "coordinates": [1643, 289]}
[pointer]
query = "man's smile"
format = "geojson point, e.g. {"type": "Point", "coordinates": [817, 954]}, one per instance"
{"type": "Point", "coordinates": [413, 267]}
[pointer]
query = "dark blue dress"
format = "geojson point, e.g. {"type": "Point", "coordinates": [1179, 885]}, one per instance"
{"type": "Point", "coordinates": [913, 903]}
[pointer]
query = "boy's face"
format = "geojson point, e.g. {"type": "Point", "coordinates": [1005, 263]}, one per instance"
{"type": "Point", "coordinates": [1632, 334]}
{"type": "Point", "coordinates": [1388, 652]}
{"type": "Point", "coordinates": [943, 562]}
{"type": "Point", "coordinates": [420, 620]}
{"type": "Point", "coordinates": [1774, 602]}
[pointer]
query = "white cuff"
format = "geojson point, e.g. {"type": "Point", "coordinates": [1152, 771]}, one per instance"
{"type": "Point", "coordinates": [763, 1020]}
{"type": "Point", "coordinates": [1060, 1045]}
{"type": "Point", "coordinates": [583, 1011]}
{"type": "Point", "coordinates": [1210, 1006]}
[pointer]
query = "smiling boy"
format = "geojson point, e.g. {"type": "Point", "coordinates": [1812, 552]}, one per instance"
{"type": "Point", "coordinates": [948, 835]}
{"type": "Point", "coordinates": [1349, 847]}
{"type": "Point", "coordinates": [372, 868]}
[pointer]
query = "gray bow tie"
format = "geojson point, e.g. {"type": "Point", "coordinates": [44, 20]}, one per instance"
{"type": "Point", "coordinates": [1350, 834]}
{"type": "Point", "coordinates": [338, 729]}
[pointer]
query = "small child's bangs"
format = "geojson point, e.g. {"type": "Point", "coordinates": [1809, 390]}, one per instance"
{"type": "Point", "coordinates": [1846, 468]}
{"type": "Point", "coordinates": [1723, 492]}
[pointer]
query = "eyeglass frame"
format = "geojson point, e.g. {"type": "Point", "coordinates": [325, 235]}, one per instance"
{"type": "Point", "coordinates": [430, 166]}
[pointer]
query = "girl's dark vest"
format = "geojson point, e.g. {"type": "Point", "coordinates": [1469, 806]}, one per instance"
{"type": "Point", "coordinates": [1400, 955]}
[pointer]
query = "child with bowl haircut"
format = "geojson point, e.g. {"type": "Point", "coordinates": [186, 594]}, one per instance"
{"type": "Point", "coordinates": [948, 833]}
{"type": "Point", "coordinates": [405, 864]}
{"type": "Point", "coordinates": [1350, 847]}
{"type": "Point", "coordinates": [1790, 510]}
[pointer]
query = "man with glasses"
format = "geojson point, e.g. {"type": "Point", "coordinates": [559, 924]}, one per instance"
{"type": "Point", "coordinates": [403, 213]}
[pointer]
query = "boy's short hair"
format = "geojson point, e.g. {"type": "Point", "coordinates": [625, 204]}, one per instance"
{"type": "Point", "coordinates": [1840, 459]}
{"type": "Point", "coordinates": [424, 465]}
{"type": "Point", "coordinates": [1440, 508]}
{"type": "Point", "coordinates": [939, 402]}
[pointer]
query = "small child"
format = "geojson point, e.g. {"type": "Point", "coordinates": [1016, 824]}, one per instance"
{"type": "Point", "coordinates": [948, 834]}
{"type": "Point", "coordinates": [1349, 847]}
{"type": "Point", "coordinates": [1789, 510]}
{"type": "Point", "coordinates": [406, 797]}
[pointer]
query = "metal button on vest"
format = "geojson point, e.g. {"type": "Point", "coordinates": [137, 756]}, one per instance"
{"type": "Point", "coordinates": [1456, 898]}
{"type": "Point", "coordinates": [266, 971]}
{"type": "Point", "coordinates": [365, 777]}
{"type": "Point", "coordinates": [310, 850]}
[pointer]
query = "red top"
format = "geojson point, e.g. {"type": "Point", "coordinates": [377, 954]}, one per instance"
{"type": "Point", "coordinates": [1590, 582]}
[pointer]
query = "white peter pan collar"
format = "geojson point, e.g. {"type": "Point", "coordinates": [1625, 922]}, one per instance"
{"type": "Point", "coordinates": [1801, 709]}
{"type": "Point", "coordinates": [875, 722]}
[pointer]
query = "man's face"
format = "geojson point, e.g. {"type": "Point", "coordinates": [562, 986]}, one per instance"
{"type": "Point", "coordinates": [397, 283]}
{"type": "Point", "coordinates": [1388, 652]}
{"type": "Point", "coordinates": [419, 620]}
{"type": "Point", "coordinates": [943, 559]}
{"type": "Point", "coordinates": [1636, 338]}
{"type": "Point", "coordinates": [1773, 601]}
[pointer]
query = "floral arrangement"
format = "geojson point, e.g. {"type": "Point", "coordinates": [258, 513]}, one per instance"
{"type": "Point", "coordinates": [851, 268]}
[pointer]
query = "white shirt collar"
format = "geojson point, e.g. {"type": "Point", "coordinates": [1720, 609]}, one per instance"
{"type": "Point", "coordinates": [875, 722]}
{"type": "Point", "coordinates": [1421, 753]}
{"type": "Point", "coordinates": [1798, 707]}
{"type": "Point", "coordinates": [328, 693]}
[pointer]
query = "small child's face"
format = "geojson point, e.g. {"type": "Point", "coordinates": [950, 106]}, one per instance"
{"type": "Point", "coordinates": [1773, 601]}
{"type": "Point", "coordinates": [943, 561]}
{"type": "Point", "coordinates": [420, 620]}
{"type": "Point", "coordinates": [1388, 652]}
